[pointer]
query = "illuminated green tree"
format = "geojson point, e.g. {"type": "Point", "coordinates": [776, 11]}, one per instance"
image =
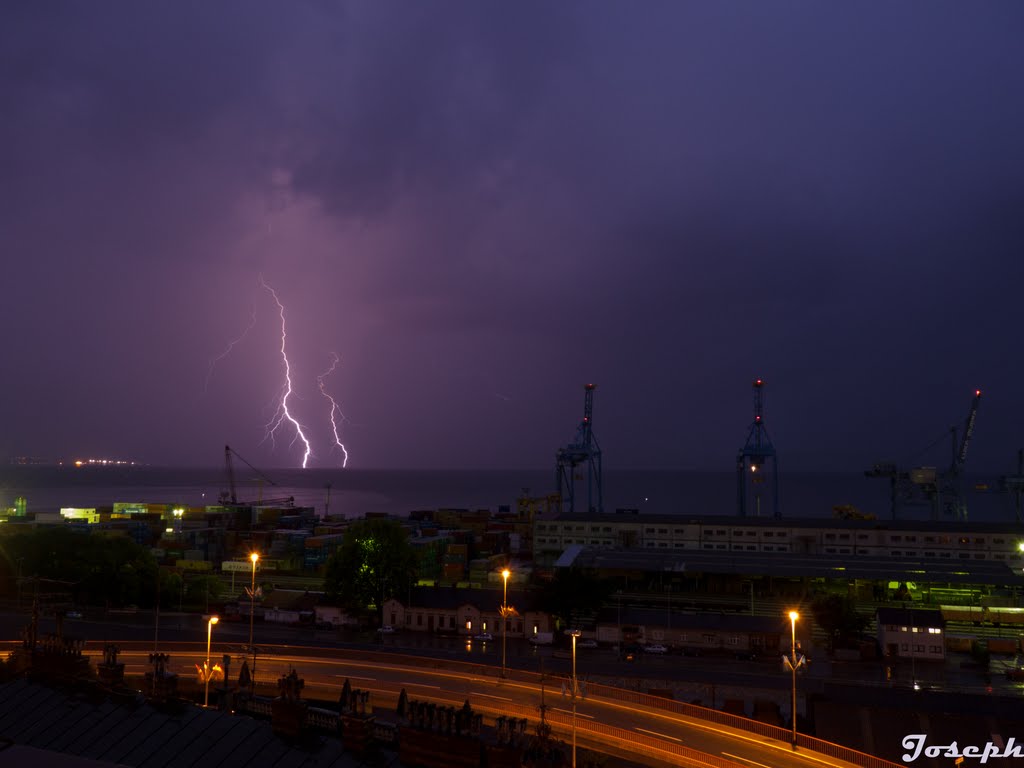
{"type": "Point", "coordinates": [376, 561]}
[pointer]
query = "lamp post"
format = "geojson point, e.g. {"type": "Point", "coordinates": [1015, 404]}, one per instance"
{"type": "Point", "coordinates": [574, 633]}
{"type": "Point", "coordinates": [209, 635]}
{"type": "Point", "coordinates": [793, 616]}
{"type": "Point", "coordinates": [504, 616]}
{"type": "Point", "coordinates": [252, 612]}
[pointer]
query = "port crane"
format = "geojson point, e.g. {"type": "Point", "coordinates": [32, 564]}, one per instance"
{"type": "Point", "coordinates": [753, 461]}
{"type": "Point", "coordinates": [941, 491]}
{"type": "Point", "coordinates": [584, 450]}
{"type": "Point", "coordinates": [229, 497]}
{"type": "Point", "coordinates": [1014, 484]}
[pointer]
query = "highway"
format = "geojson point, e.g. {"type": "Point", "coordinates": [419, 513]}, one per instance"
{"type": "Point", "coordinates": [447, 677]}
{"type": "Point", "coordinates": [326, 669]}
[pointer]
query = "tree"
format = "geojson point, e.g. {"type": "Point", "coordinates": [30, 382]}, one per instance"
{"type": "Point", "coordinates": [375, 562]}
{"type": "Point", "coordinates": [575, 591]}
{"type": "Point", "coordinates": [99, 567]}
{"type": "Point", "coordinates": [838, 616]}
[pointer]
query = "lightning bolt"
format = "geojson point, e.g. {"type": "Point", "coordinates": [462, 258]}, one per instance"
{"type": "Point", "coordinates": [334, 406]}
{"type": "Point", "coordinates": [282, 413]}
{"type": "Point", "coordinates": [226, 352]}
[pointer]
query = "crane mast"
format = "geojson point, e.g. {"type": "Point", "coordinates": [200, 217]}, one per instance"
{"type": "Point", "coordinates": [751, 462]}
{"type": "Point", "coordinates": [584, 450]}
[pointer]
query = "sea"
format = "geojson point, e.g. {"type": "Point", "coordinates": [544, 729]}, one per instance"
{"type": "Point", "coordinates": [356, 492]}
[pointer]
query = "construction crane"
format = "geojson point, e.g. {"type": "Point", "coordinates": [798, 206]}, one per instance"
{"type": "Point", "coordinates": [951, 493]}
{"type": "Point", "coordinates": [941, 491]}
{"type": "Point", "coordinates": [752, 461]}
{"type": "Point", "coordinates": [230, 496]}
{"type": "Point", "coordinates": [583, 450]}
{"type": "Point", "coordinates": [1014, 484]}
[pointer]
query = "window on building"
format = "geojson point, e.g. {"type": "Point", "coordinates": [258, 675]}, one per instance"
{"type": "Point", "coordinates": [648, 530]}
{"type": "Point", "coordinates": [782, 534]}
{"type": "Point", "coordinates": [844, 537]}
{"type": "Point", "coordinates": [830, 550]}
{"type": "Point", "coordinates": [911, 538]}
{"type": "Point", "coordinates": [720, 546]}
{"type": "Point", "coordinates": [751, 533]}
{"type": "Point", "coordinates": [469, 626]}
{"type": "Point", "coordinates": [393, 620]}
{"type": "Point", "coordinates": [903, 647]}
{"type": "Point", "coordinates": [830, 536]}
{"type": "Point", "coordinates": [734, 640]}
{"type": "Point", "coordinates": [663, 530]}
{"type": "Point", "coordinates": [709, 546]}
{"type": "Point", "coordinates": [769, 534]}
{"type": "Point", "coordinates": [935, 648]}
{"type": "Point", "coordinates": [918, 649]}
{"type": "Point", "coordinates": [419, 619]}
{"type": "Point", "coordinates": [895, 538]}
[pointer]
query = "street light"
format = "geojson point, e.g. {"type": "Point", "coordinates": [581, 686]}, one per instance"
{"type": "Point", "coordinates": [504, 616]}
{"type": "Point", "coordinates": [574, 633]}
{"type": "Point", "coordinates": [209, 635]}
{"type": "Point", "coordinates": [793, 616]}
{"type": "Point", "coordinates": [252, 611]}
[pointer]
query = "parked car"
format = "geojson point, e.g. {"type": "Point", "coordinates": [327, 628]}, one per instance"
{"type": "Point", "coordinates": [73, 615]}
{"type": "Point", "coordinates": [483, 637]}
{"type": "Point", "coordinates": [586, 643]}
{"type": "Point", "coordinates": [655, 648]}
{"type": "Point", "coordinates": [387, 629]}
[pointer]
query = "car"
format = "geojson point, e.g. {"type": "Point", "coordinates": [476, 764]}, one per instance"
{"type": "Point", "coordinates": [73, 615]}
{"type": "Point", "coordinates": [483, 637]}
{"type": "Point", "coordinates": [655, 648]}
{"type": "Point", "coordinates": [586, 643]}
{"type": "Point", "coordinates": [387, 629]}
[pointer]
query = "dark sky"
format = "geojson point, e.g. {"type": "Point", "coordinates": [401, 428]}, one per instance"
{"type": "Point", "coordinates": [481, 206]}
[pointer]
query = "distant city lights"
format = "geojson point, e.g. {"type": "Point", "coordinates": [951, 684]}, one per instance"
{"type": "Point", "coordinates": [102, 462]}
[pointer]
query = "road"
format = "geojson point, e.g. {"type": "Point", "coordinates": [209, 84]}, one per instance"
{"type": "Point", "coordinates": [460, 672]}
{"type": "Point", "coordinates": [326, 669]}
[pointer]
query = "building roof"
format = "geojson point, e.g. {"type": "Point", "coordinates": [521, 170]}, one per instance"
{"type": "Point", "coordinates": [789, 564]}
{"type": "Point", "coordinates": [452, 598]}
{"type": "Point", "coordinates": [97, 728]}
{"type": "Point", "coordinates": [711, 622]}
{"type": "Point", "coordinates": [911, 617]}
{"type": "Point", "coordinates": [944, 526]}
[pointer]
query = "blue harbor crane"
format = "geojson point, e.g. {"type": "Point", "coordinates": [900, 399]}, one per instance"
{"type": "Point", "coordinates": [941, 491]}
{"type": "Point", "coordinates": [584, 450]}
{"type": "Point", "coordinates": [752, 473]}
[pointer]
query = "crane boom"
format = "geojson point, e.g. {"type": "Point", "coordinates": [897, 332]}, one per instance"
{"type": "Point", "coordinates": [972, 415]}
